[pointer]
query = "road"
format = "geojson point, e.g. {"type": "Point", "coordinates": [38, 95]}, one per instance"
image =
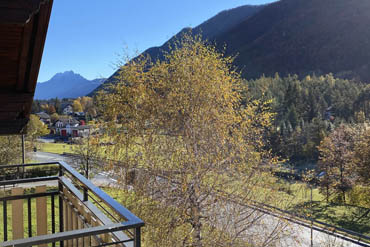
{"type": "Point", "coordinates": [296, 235]}
{"type": "Point", "coordinates": [47, 157]}
{"type": "Point", "coordinates": [99, 178]}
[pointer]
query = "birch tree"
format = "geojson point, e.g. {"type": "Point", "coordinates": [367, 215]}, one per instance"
{"type": "Point", "coordinates": [180, 126]}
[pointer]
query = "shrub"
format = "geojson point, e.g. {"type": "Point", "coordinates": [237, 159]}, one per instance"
{"type": "Point", "coordinates": [360, 196]}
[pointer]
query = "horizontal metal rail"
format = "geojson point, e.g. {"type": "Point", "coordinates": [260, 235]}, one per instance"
{"type": "Point", "coordinates": [26, 196]}
{"type": "Point", "coordinates": [102, 217]}
{"type": "Point", "coordinates": [113, 204]}
{"type": "Point", "coordinates": [28, 165]}
{"type": "Point", "coordinates": [28, 180]}
{"type": "Point", "coordinates": [61, 236]}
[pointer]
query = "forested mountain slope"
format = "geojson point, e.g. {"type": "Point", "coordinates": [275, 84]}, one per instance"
{"type": "Point", "coordinates": [303, 37]}
{"type": "Point", "coordinates": [291, 37]}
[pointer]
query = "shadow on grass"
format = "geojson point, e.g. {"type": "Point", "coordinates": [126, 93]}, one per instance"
{"type": "Point", "coordinates": [345, 216]}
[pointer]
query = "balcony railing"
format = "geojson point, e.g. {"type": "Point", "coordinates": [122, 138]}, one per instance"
{"type": "Point", "coordinates": [74, 212]}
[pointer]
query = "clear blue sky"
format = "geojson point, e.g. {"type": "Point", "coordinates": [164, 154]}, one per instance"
{"type": "Point", "coordinates": [87, 36]}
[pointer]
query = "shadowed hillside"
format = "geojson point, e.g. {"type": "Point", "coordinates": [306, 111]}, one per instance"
{"type": "Point", "coordinates": [300, 36]}
{"type": "Point", "coordinates": [291, 37]}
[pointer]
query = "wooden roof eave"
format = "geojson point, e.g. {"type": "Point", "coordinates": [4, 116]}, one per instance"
{"type": "Point", "coordinates": [33, 16]}
{"type": "Point", "coordinates": [19, 12]}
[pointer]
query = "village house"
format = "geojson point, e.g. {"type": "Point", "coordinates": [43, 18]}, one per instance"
{"type": "Point", "coordinates": [70, 127]}
{"type": "Point", "coordinates": [75, 131]}
{"type": "Point", "coordinates": [80, 131]}
{"type": "Point", "coordinates": [67, 110]}
{"type": "Point", "coordinates": [79, 115]}
{"type": "Point", "coordinates": [44, 117]}
{"type": "Point", "coordinates": [63, 125]}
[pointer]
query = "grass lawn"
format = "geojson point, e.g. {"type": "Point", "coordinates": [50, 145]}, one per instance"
{"type": "Point", "coordinates": [345, 216]}
{"type": "Point", "coordinates": [350, 217]}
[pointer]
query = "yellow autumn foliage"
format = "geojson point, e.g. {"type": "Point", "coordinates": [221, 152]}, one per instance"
{"type": "Point", "coordinates": [180, 125]}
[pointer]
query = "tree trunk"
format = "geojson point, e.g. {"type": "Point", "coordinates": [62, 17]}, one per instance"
{"type": "Point", "coordinates": [344, 197]}
{"type": "Point", "coordinates": [197, 238]}
{"type": "Point", "coordinates": [195, 218]}
{"type": "Point", "coordinates": [327, 193]}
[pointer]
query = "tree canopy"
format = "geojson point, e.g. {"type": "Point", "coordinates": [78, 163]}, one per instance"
{"type": "Point", "coordinates": [181, 126]}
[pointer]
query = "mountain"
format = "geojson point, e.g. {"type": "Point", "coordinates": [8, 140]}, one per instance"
{"type": "Point", "coordinates": [290, 37]}
{"type": "Point", "coordinates": [302, 37]}
{"type": "Point", "coordinates": [66, 85]}
{"type": "Point", "coordinates": [209, 29]}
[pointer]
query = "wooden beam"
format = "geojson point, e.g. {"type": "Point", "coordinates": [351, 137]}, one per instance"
{"type": "Point", "coordinates": [12, 96]}
{"type": "Point", "coordinates": [17, 214]}
{"type": "Point", "coordinates": [13, 127]}
{"type": "Point", "coordinates": [65, 217]}
{"type": "Point", "coordinates": [19, 11]}
{"type": "Point", "coordinates": [41, 213]}
{"type": "Point", "coordinates": [14, 16]}
{"type": "Point", "coordinates": [13, 118]}
{"type": "Point", "coordinates": [21, 4]}
{"type": "Point", "coordinates": [23, 55]}
{"type": "Point", "coordinates": [38, 46]}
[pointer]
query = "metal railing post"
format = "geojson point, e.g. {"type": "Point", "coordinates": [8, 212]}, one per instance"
{"type": "Point", "coordinates": [23, 155]}
{"type": "Point", "coordinates": [60, 187]}
{"type": "Point", "coordinates": [29, 209]}
{"type": "Point", "coordinates": [137, 240]}
{"type": "Point", "coordinates": [5, 219]}
{"type": "Point", "coordinates": [311, 232]}
{"type": "Point", "coordinates": [86, 195]}
{"type": "Point", "coordinates": [53, 216]}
